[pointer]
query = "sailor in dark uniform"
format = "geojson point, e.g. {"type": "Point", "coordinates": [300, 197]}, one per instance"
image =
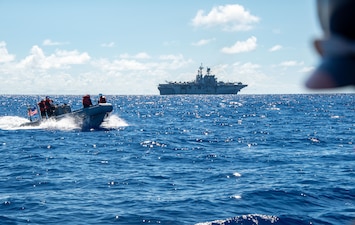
{"type": "Point", "coordinates": [102, 99]}
{"type": "Point", "coordinates": [87, 101]}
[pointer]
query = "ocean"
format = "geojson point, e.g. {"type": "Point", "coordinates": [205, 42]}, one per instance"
{"type": "Point", "coordinates": [200, 160]}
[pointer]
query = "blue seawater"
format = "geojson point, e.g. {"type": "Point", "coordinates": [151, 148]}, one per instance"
{"type": "Point", "coordinates": [204, 160]}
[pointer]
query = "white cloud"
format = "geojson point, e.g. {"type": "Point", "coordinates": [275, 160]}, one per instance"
{"type": "Point", "coordinates": [136, 76]}
{"type": "Point", "coordinates": [307, 70]}
{"type": "Point", "coordinates": [140, 55]}
{"type": "Point", "coordinates": [69, 57]}
{"type": "Point", "coordinates": [132, 65]}
{"type": "Point", "coordinates": [171, 57]}
{"type": "Point", "coordinates": [250, 74]}
{"type": "Point", "coordinates": [229, 17]}
{"type": "Point", "coordinates": [203, 42]}
{"type": "Point", "coordinates": [241, 46]}
{"type": "Point", "coordinates": [49, 42]}
{"type": "Point", "coordinates": [275, 48]}
{"type": "Point", "coordinates": [246, 68]}
{"type": "Point", "coordinates": [173, 62]}
{"type": "Point", "coordinates": [291, 63]}
{"type": "Point", "coordinates": [60, 59]}
{"type": "Point", "coordinates": [120, 65]}
{"type": "Point", "coordinates": [108, 45]}
{"type": "Point", "coordinates": [4, 54]}
{"type": "Point", "coordinates": [238, 71]}
{"type": "Point", "coordinates": [261, 80]}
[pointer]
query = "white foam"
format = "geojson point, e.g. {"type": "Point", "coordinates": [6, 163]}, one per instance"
{"type": "Point", "coordinates": [15, 122]}
{"type": "Point", "coordinates": [11, 122]}
{"type": "Point", "coordinates": [67, 123]}
{"type": "Point", "coordinates": [113, 122]}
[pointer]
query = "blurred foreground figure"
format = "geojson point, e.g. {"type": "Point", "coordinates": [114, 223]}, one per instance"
{"type": "Point", "coordinates": [337, 47]}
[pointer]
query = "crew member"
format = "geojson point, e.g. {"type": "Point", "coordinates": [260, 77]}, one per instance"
{"type": "Point", "coordinates": [42, 108]}
{"type": "Point", "coordinates": [102, 99]}
{"type": "Point", "coordinates": [87, 101]}
{"type": "Point", "coordinates": [49, 107]}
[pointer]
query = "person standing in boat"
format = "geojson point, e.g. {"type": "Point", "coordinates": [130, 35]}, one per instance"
{"type": "Point", "coordinates": [49, 107]}
{"type": "Point", "coordinates": [102, 99]}
{"type": "Point", "coordinates": [42, 108]}
{"type": "Point", "coordinates": [87, 101]}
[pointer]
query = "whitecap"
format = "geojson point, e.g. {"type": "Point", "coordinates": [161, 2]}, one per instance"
{"type": "Point", "coordinates": [236, 196]}
{"type": "Point", "coordinates": [236, 103]}
{"type": "Point", "coordinates": [236, 174]}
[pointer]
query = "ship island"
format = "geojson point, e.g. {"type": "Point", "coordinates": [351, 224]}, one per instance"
{"type": "Point", "coordinates": [203, 85]}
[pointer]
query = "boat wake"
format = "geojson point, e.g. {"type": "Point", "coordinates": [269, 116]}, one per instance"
{"type": "Point", "coordinates": [11, 122]}
{"type": "Point", "coordinates": [112, 122]}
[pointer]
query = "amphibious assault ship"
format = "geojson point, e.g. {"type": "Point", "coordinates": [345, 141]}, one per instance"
{"type": "Point", "coordinates": [204, 85]}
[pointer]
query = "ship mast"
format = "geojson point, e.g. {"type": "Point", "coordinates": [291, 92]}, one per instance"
{"type": "Point", "coordinates": [199, 74]}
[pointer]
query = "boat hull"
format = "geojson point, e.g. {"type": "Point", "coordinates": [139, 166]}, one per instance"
{"type": "Point", "coordinates": [87, 118]}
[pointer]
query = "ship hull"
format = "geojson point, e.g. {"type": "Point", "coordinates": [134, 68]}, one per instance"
{"type": "Point", "coordinates": [175, 89]}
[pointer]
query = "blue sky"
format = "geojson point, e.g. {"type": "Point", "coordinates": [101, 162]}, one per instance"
{"type": "Point", "coordinates": [129, 47]}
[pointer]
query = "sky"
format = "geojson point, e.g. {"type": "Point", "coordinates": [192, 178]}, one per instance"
{"type": "Point", "coordinates": [129, 47]}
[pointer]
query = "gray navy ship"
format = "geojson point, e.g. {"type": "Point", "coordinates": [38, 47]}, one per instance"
{"type": "Point", "coordinates": [203, 85]}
